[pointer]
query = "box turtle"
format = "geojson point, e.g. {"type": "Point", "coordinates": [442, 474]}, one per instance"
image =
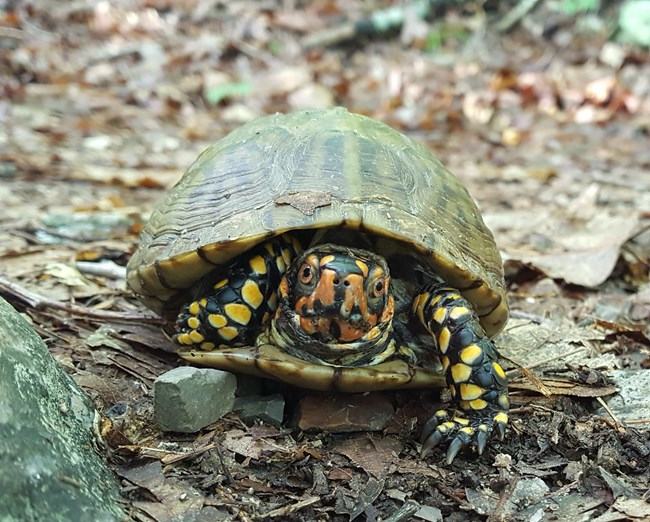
{"type": "Point", "coordinates": [329, 251]}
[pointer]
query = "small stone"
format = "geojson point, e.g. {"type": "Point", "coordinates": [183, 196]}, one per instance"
{"type": "Point", "coordinates": [268, 409]}
{"type": "Point", "coordinates": [344, 413]}
{"type": "Point", "coordinates": [187, 399]}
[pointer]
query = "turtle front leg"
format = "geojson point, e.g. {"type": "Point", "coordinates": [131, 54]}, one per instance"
{"type": "Point", "coordinates": [476, 381]}
{"type": "Point", "coordinates": [231, 305]}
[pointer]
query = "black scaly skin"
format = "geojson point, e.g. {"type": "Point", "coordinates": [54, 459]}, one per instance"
{"type": "Point", "coordinates": [472, 372]}
{"type": "Point", "coordinates": [205, 321]}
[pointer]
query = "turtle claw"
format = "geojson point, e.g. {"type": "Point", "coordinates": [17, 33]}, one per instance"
{"type": "Point", "coordinates": [501, 429]}
{"type": "Point", "coordinates": [481, 441]}
{"type": "Point", "coordinates": [432, 424]}
{"type": "Point", "coordinates": [430, 442]}
{"type": "Point", "coordinates": [460, 432]}
{"type": "Point", "coordinates": [456, 445]}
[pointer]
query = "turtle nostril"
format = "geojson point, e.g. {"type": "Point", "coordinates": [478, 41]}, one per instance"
{"type": "Point", "coordinates": [336, 281]}
{"type": "Point", "coordinates": [346, 282]}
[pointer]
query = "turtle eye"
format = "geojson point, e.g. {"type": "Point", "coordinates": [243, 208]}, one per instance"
{"type": "Point", "coordinates": [306, 274]}
{"type": "Point", "coordinates": [379, 287]}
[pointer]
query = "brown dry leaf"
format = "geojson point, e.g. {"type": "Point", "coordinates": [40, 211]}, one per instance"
{"type": "Point", "coordinates": [375, 456]}
{"type": "Point", "coordinates": [584, 256]}
{"type": "Point", "coordinates": [238, 441]}
{"type": "Point", "coordinates": [176, 500]}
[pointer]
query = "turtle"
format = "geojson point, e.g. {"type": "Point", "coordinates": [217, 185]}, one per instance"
{"type": "Point", "coordinates": [327, 250]}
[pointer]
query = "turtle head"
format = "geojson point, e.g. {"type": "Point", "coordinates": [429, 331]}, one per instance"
{"type": "Point", "coordinates": [335, 299]}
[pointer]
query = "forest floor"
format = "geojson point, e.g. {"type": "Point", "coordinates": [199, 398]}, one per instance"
{"type": "Point", "coordinates": [104, 105]}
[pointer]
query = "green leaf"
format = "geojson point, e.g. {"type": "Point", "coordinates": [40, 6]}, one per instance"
{"type": "Point", "coordinates": [215, 94]}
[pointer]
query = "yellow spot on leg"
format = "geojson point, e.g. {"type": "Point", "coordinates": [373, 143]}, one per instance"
{"type": "Point", "coordinates": [458, 312]}
{"type": "Point", "coordinates": [443, 340]}
{"type": "Point", "coordinates": [282, 266]}
{"type": "Point", "coordinates": [193, 322]}
{"type": "Point", "coordinates": [419, 306]}
{"type": "Point", "coordinates": [445, 364]}
{"type": "Point", "coordinates": [220, 284]}
{"type": "Point", "coordinates": [238, 312]}
{"type": "Point", "coordinates": [439, 315]}
{"type": "Point", "coordinates": [470, 354]}
{"type": "Point", "coordinates": [501, 418]}
{"type": "Point", "coordinates": [470, 392]}
{"type": "Point", "coordinates": [286, 255]}
{"type": "Point", "coordinates": [460, 372]}
{"type": "Point", "coordinates": [498, 370]}
{"type": "Point", "coordinates": [258, 265]}
{"type": "Point", "coordinates": [196, 337]}
{"type": "Point", "coordinates": [228, 332]}
{"type": "Point", "coordinates": [184, 339]}
{"type": "Point", "coordinates": [194, 308]}
{"type": "Point", "coordinates": [478, 404]}
{"type": "Point", "coordinates": [251, 294]}
{"type": "Point", "coordinates": [207, 346]}
{"type": "Point", "coordinates": [217, 320]}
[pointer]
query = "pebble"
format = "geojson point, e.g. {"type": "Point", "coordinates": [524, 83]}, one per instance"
{"type": "Point", "coordinates": [268, 409]}
{"type": "Point", "coordinates": [187, 399]}
{"type": "Point", "coordinates": [344, 413]}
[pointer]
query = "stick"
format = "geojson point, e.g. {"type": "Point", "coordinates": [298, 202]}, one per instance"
{"type": "Point", "coordinates": [39, 302]}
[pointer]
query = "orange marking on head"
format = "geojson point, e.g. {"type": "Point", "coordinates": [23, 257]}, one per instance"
{"type": "Point", "coordinates": [363, 267]}
{"type": "Point", "coordinates": [326, 260]}
{"type": "Point", "coordinates": [355, 293]}
{"type": "Point", "coordinates": [324, 291]}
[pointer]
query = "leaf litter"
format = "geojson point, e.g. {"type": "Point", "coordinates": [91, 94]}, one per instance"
{"type": "Point", "coordinates": [546, 125]}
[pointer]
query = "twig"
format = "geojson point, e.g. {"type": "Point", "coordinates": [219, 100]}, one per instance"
{"type": "Point", "coordinates": [12, 32]}
{"type": "Point", "coordinates": [40, 302]}
{"type": "Point", "coordinates": [106, 269]}
{"type": "Point", "coordinates": [515, 15]}
{"type": "Point", "coordinates": [555, 358]}
{"type": "Point", "coordinates": [285, 511]}
{"type": "Point", "coordinates": [617, 422]}
{"type": "Point", "coordinates": [379, 22]}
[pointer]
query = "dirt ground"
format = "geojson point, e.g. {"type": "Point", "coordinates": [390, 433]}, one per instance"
{"type": "Point", "coordinates": [103, 106]}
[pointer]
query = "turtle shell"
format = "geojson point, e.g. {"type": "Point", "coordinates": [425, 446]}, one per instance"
{"type": "Point", "coordinates": [317, 169]}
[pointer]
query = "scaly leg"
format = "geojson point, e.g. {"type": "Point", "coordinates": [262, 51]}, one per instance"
{"type": "Point", "coordinates": [233, 303]}
{"type": "Point", "coordinates": [476, 381]}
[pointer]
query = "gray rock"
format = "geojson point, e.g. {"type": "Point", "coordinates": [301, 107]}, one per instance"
{"type": "Point", "coordinates": [187, 399]}
{"type": "Point", "coordinates": [631, 402]}
{"type": "Point", "coordinates": [268, 409]}
{"type": "Point", "coordinates": [48, 467]}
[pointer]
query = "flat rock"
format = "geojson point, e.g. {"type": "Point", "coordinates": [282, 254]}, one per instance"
{"type": "Point", "coordinates": [631, 402]}
{"type": "Point", "coordinates": [187, 399]}
{"type": "Point", "coordinates": [343, 413]}
{"type": "Point", "coordinates": [48, 467]}
{"type": "Point", "coordinates": [268, 409]}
